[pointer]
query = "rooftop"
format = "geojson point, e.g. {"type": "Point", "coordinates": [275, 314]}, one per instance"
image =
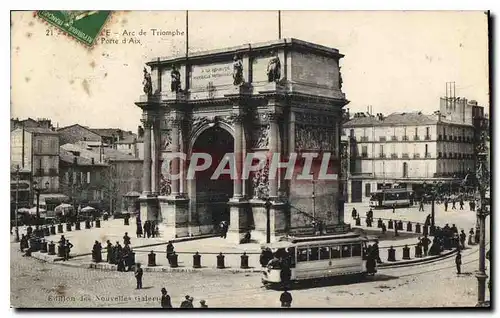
{"type": "Point", "coordinates": [108, 153]}
{"type": "Point", "coordinates": [399, 119]}
{"type": "Point", "coordinates": [40, 130]}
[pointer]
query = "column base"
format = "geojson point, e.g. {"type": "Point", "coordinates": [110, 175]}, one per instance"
{"type": "Point", "coordinates": [239, 223]}
{"type": "Point", "coordinates": [278, 224]}
{"type": "Point", "coordinates": [148, 208]}
{"type": "Point", "coordinates": [174, 217]}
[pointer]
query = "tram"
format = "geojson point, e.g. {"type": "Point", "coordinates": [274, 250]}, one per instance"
{"type": "Point", "coordinates": [390, 197]}
{"type": "Point", "coordinates": [305, 258]}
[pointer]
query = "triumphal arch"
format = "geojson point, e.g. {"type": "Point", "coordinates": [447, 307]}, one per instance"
{"type": "Point", "coordinates": [281, 97]}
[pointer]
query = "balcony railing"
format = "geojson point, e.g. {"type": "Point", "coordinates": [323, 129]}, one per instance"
{"type": "Point", "coordinates": [382, 138]}
{"type": "Point", "coordinates": [394, 138]}
{"type": "Point", "coordinates": [416, 155]}
{"type": "Point", "coordinates": [382, 155]}
{"type": "Point", "coordinates": [427, 137]}
{"type": "Point", "coordinates": [405, 156]}
{"type": "Point", "coordinates": [416, 137]}
{"type": "Point", "coordinates": [394, 155]}
{"type": "Point", "coordinates": [405, 138]}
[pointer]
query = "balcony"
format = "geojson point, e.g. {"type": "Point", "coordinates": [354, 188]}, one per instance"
{"type": "Point", "coordinates": [450, 138]}
{"type": "Point", "coordinates": [416, 137]}
{"type": "Point", "coordinates": [427, 137]}
{"type": "Point", "coordinates": [364, 155]}
{"type": "Point", "coordinates": [394, 138]}
{"type": "Point", "coordinates": [394, 155]}
{"type": "Point", "coordinates": [427, 155]}
{"type": "Point", "coordinates": [382, 138]}
{"type": "Point", "coordinates": [405, 156]}
{"type": "Point", "coordinates": [405, 138]}
{"type": "Point", "coordinates": [364, 138]}
{"type": "Point", "coordinates": [382, 155]}
{"type": "Point", "coordinates": [416, 155]}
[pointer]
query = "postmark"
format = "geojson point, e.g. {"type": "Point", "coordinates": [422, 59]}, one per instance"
{"type": "Point", "coordinates": [83, 26]}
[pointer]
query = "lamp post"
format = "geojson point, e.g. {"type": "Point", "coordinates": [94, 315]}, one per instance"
{"type": "Point", "coordinates": [268, 220]}
{"type": "Point", "coordinates": [433, 188]}
{"type": "Point", "coordinates": [313, 197]}
{"type": "Point", "coordinates": [17, 203]}
{"type": "Point", "coordinates": [37, 193]}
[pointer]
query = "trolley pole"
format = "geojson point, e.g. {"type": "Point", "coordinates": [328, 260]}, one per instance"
{"type": "Point", "coordinates": [313, 196]}
{"type": "Point", "coordinates": [17, 203]}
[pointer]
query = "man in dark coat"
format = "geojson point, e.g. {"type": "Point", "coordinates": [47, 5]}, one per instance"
{"type": "Point", "coordinates": [286, 299]}
{"type": "Point", "coordinates": [354, 213]}
{"type": "Point", "coordinates": [445, 205]}
{"type": "Point", "coordinates": [138, 276]}
{"type": "Point", "coordinates": [170, 250]}
{"type": "Point", "coordinates": [126, 239]}
{"type": "Point", "coordinates": [425, 244]}
{"type": "Point", "coordinates": [461, 204]}
{"type": "Point", "coordinates": [67, 249]}
{"type": "Point", "coordinates": [95, 251]}
{"type": "Point", "coordinates": [421, 206]}
{"type": "Point", "coordinates": [139, 228]}
{"type": "Point", "coordinates": [109, 252]}
{"type": "Point", "coordinates": [463, 237]}
{"type": "Point", "coordinates": [188, 302]}
{"type": "Point", "coordinates": [147, 229]}
{"type": "Point", "coordinates": [458, 262]}
{"type": "Point", "coordinates": [29, 231]}
{"type": "Point", "coordinates": [376, 253]}
{"type": "Point", "coordinates": [117, 252]}
{"type": "Point", "coordinates": [166, 302]}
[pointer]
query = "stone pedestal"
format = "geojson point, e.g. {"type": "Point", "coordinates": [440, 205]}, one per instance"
{"type": "Point", "coordinates": [174, 221]}
{"type": "Point", "coordinates": [238, 223]}
{"type": "Point", "coordinates": [148, 208]}
{"type": "Point", "coordinates": [277, 220]}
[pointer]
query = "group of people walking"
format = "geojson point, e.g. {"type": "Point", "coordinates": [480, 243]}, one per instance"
{"type": "Point", "coordinates": [166, 301]}
{"type": "Point", "coordinates": [123, 257]}
{"type": "Point", "coordinates": [149, 229]}
{"type": "Point", "coordinates": [64, 248]}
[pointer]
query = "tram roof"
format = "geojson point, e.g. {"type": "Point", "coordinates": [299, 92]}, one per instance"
{"type": "Point", "coordinates": [316, 238]}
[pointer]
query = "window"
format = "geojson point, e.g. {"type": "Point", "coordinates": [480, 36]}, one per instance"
{"type": "Point", "coordinates": [81, 178]}
{"type": "Point", "coordinates": [356, 250]}
{"type": "Point", "coordinates": [364, 151]}
{"type": "Point", "coordinates": [405, 170]}
{"type": "Point", "coordinates": [313, 253]}
{"type": "Point", "coordinates": [39, 146]}
{"type": "Point", "coordinates": [351, 133]}
{"type": "Point", "coordinates": [416, 131]}
{"type": "Point", "coordinates": [335, 250]}
{"type": "Point", "coordinates": [302, 255]}
{"type": "Point", "coordinates": [382, 149]}
{"type": "Point", "coordinates": [129, 146]}
{"type": "Point", "coordinates": [368, 189]}
{"type": "Point", "coordinates": [428, 131]}
{"type": "Point", "coordinates": [346, 250]}
{"type": "Point", "coordinates": [426, 150]}
{"type": "Point", "coordinates": [324, 253]}
{"type": "Point", "coordinates": [88, 176]}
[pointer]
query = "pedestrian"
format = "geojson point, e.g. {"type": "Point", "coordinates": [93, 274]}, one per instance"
{"type": "Point", "coordinates": [445, 205]}
{"type": "Point", "coordinates": [29, 231]}
{"type": "Point", "coordinates": [153, 227]}
{"type": "Point", "coordinates": [425, 244]}
{"type": "Point", "coordinates": [376, 253]}
{"type": "Point", "coordinates": [188, 302]}
{"type": "Point", "coordinates": [109, 252]}
{"type": "Point", "coordinates": [67, 249]}
{"type": "Point", "coordinates": [471, 235]}
{"type": "Point", "coordinates": [146, 229]}
{"type": "Point", "coordinates": [463, 236]}
{"type": "Point", "coordinates": [394, 208]}
{"type": "Point", "coordinates": [166, 302]}
{"type": "Point", "coordinates": [458, 262]}
{"type": "Point", "coordinates": [121, 263]}
{"type": "Point", "coordinates": [396, 230]}
{"type": "Point", "coordinates": [203, 304]}
{"type": "Point", "coordinates": [384, 228]}
{"type": "Point", "coordinates": [170, 250]}
{"type": "Point", "coordinates": [421, 207]}
{"type": "Point", "coordinates": [286, 299]}
{"type": "Point", "coordinates": [139, 228]}
{"type": "Point", "coordinates": [354, 213]}
{"type": "Point", "coordinates": [473, 205]}
{"type": "Point", "coordinates": [453, 207]}
{"type": "Point", "coordinates": [126, 239]}
{"type": "Point", "coordinates": [138, 276]}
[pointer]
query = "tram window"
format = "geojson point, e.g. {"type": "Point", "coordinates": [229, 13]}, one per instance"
{"type": "Point", "coordinates": [324, 253]}
{"type": "Point", "coordinates": [356, 250]}
{"type": "Point", "coordinates": [346, 250]}
{"type": "Point", "coordinates": [291, 252]}
{"type": "Point", "coordinates": [313, 253]}
{"type": "Point", "coordinates": [335, 251]}
{"type": "Point", "coordinates": [302, 255]}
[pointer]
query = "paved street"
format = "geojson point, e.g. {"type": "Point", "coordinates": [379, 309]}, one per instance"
{"type": "Point", "coordinates": [38, 284]}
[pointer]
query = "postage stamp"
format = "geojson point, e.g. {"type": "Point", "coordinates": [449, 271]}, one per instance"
{"type": "Point", "coordinates": [84, 26]}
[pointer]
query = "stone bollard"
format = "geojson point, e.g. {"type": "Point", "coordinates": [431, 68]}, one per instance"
{"type": "Point", "coordinates": [43, 248]}
{"type": "Point", "coordinates": [52, 248]}
{"type": "Point", "coordinates": [174, 260]}
{"type": "Point", "coordinates": [46, 231]}
{"type": "Point", "coordinates": [406, 252]}
{"type": "Point", "coordinates": [417, 228]}
{"type": "Point", "coordinates": [60, 228]}
{"type": "Point", "coordinates": [52, 230]}
{"type": "Point", "coordinates": [196, 260]}
{"type": "Point", "coordinates": [390, 225]}
{"type": "Point", "coordinates": [60, 251]}
{"type": "Point", "coordinates": [391, 254]}
{"type": "Point", "coordinates": [152, 259]}
{"type": "Point", "coordinates": [400, 225]}
{"type": "Point", "coordinates": [418, 250]}
{"type": "Point", "coordinates": [220, 261]}
{"type": "Point", "coordinates": [244, 261]}
{"type": "Point", "coordinates": [358, 221]}
{"type": "Point", "coordinates": [98, 223]}
{"type": "Point", "coordinates": [409, 227]}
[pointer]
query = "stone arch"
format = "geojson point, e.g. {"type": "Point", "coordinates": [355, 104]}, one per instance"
{"type": "Point", "coordinates": [200, 130]}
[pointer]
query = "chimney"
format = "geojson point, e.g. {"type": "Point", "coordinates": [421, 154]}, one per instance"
{"type": "Point", "coordinates": [92, 160]}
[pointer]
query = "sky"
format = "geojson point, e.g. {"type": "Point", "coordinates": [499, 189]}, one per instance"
{"type": "Point", "coordinates": [394, 61]}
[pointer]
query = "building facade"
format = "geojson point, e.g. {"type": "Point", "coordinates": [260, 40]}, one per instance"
{"type": "Point", "coordinates": [37, 150]}
{"type": "Point", "coordinates": [280, 97]}
{"type": "Point", "coordinates": [407, 149]}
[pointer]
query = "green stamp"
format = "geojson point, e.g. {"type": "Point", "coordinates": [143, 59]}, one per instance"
{"type": "Point", "coordinates": [84, 26]}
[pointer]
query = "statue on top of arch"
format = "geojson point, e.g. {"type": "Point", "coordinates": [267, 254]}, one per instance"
{"type": "Point", "coordinates": [175, 75]}
{"type": "Point", "coordinates": [274, 68]}
{"type": "Point", "coordinates": [237, 71]}
{"type": "Point", "coordinates": [146, 82]}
